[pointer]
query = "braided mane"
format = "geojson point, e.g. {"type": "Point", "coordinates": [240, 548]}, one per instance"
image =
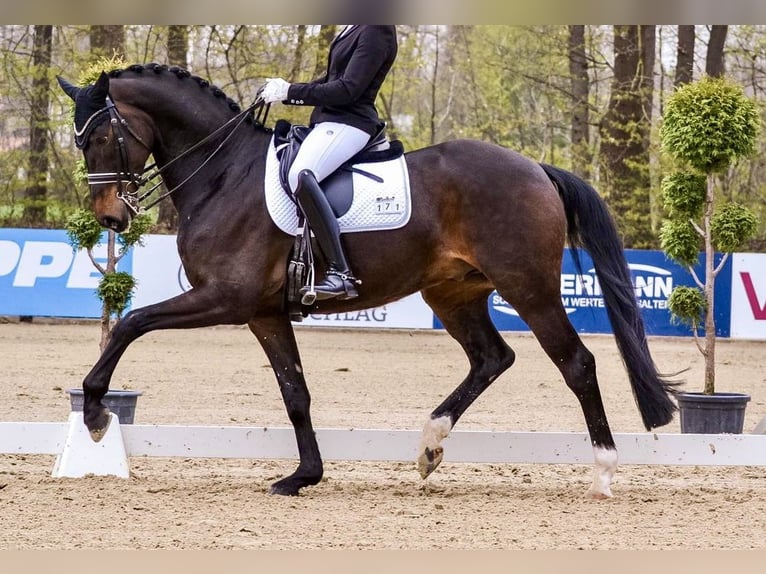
{"type": "Point", "coordinates": [183, 74]}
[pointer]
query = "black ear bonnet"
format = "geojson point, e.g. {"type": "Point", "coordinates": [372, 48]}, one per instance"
{"type": "Point", "coordinates": [91, 105]}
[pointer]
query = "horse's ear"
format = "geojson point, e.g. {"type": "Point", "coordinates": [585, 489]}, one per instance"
{"type": "Point", "coordinates": [101, 88]}
{"type": "Point", "coordinates": [70, 89]}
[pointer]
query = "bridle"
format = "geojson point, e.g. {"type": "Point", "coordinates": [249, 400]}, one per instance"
{"type": "Point", "coordinates": [133, 182]}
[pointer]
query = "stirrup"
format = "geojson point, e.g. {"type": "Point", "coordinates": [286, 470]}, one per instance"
{"type": "Point", "coordinates": [308, 296]}
{"type": "Point", "coordinates": [307, 292]}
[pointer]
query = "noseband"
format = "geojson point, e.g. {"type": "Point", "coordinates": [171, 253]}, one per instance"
{"type": "Point", "coordinates": [128, 193]}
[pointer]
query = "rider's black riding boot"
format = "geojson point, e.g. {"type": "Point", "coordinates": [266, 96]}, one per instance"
{"type": "Point", "coordinates": [338, 282]}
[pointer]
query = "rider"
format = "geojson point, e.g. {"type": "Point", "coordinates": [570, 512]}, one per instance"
{"type": "Point", "coordinates": [343, 121]}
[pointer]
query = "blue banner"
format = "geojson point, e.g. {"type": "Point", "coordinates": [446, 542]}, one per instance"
{"type": "Point", "coordinates": [42, 276]}
{"type": "Point", "coordinates": [654, 277]}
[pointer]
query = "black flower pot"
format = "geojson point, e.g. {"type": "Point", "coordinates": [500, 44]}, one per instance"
{"type": "Point", "coordinates": [712, 414]}
{"type": "Point", "coordinates": [121, 403]}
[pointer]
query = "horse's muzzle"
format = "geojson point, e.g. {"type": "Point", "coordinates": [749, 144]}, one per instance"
{"type": "Point", "coordinates": [111, 212]}
{"type": "Point", "coordinates": [118, 225]}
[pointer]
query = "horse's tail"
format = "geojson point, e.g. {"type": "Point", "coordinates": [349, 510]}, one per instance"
{"type": "Point", "coordinates": [590, 225]}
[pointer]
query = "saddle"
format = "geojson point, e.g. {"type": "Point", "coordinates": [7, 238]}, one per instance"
{"type": "Point", "coordinates": [338, 187]}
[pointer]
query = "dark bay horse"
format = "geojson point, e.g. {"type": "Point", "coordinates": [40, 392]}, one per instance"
{"type": "Point", "coordinates": [483, 218]}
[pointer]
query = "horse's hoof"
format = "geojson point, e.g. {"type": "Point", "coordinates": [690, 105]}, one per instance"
{"type": "Point", "coordinates": [98, 428]}
{"type": "Point", "coordinates": [598, 495]}
{"type": "Point", "coordinates": [429, 460]}
{"type": "Point", "coordinates": [284, 489]}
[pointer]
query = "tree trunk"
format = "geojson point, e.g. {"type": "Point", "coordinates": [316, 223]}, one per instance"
{"type": "Point", "coordinates": [714, 65]}
{"type": "Point", "coordinates": [685, 55]}
{"type": "Point", "coordinates": [36, 192]}
{"type": "Point", "coordinates": [578, 69]}
{"type": "Point", "coordinates": [178, 41]}
{"type": "Point", "coordinates": [300, 48]}
{"type": "Point", "coordinates": [710, 335]}
{"type": "Point", "coordinates": [326, 36]}
{"type": "Point", "coordinates": [646, 66]}
{"type": "Point", "coordinates": [433, 88]}
{"type": "Point", "coordinates": [107, 41]}
{"type": "Point", "coordinates": [624, 134]}
{"type": "Point", "coordinates": [111, 266]}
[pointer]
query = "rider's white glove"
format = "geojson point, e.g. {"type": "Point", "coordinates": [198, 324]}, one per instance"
{"type": "Point", "coordinates": [274, 90]}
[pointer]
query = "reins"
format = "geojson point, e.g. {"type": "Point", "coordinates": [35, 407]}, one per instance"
{"type": "Point", "coordinates": [155, 171]}
{"type": "Point", "coordinates": [135, 181]}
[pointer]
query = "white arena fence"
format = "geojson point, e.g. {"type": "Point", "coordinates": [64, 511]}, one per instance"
{"type": "Point", "coordinates": [77, 455]}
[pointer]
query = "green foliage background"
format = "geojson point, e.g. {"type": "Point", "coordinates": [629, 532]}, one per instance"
{"type": "Point", "coordinates": [505, 84]}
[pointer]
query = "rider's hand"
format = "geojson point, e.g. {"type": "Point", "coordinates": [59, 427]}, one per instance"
{"type": "Point", "coordinates": [274, 90]}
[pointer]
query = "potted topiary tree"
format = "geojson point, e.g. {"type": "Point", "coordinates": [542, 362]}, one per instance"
{"type": "Point", "coordinates": [707, 126]}
{"type": "Point", "coordinates": [115, 289]}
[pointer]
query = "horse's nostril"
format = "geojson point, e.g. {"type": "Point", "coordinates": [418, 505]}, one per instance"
{"type": "Point", "coordinates": [112, 223]}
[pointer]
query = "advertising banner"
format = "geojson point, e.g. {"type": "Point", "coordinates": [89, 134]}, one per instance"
{"type": "Point", "coordinates": [748, 300]}
{"type": "Point", "coordinates": [158, 270]}
{"type": "Point", "coordinates": [408, 313]}
{"type": "Point", "coordinates": [654, 277]}
{"type": "Point", "coordinates": [42, 276]}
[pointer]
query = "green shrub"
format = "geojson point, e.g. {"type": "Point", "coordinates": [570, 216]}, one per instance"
{"type": "Point", "coordinates": [709, 124]}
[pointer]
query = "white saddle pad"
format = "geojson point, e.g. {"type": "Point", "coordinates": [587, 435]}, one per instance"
{"type": "Point", "coordinates": [376, 206]}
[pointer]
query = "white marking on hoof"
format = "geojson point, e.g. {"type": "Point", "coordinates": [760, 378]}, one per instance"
{"type": "Point", "coordinates": [431, 451]}
{"type": "Point", "coordinates": [606, 465]}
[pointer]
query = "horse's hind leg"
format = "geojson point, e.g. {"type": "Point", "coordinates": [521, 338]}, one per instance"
{"type": "Point", "coordinates": [462, 309]}
{"type": "Point", "coordinates": [276, 336]}
{"type": "Point", "coordinates": [547, 319]}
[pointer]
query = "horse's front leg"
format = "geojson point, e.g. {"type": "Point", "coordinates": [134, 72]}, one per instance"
{"type": "Point", "coordinates": [195, 308]}
{"type": "Point", "coordinates": [276, 336]}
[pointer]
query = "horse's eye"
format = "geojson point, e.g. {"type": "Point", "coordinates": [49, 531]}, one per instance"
{"type": "Point", "coordinates": [101, 140]}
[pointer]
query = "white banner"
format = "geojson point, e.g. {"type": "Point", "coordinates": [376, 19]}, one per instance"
{"type": "Point", "coordinates": [160, 276]}
{"type": "Point", "coordinates": [158, 271]}
{"type": "Point", "coordinates": [748, 296]}
{"type": "Point", "coordinates": [408, 313]}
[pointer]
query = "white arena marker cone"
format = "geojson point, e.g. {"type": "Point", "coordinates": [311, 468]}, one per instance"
{"type": "Point", "coordinates": [82, 456]}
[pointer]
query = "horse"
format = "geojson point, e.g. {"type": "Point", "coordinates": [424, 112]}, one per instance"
{"type": "Point", "coordinates": [483, 218]}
